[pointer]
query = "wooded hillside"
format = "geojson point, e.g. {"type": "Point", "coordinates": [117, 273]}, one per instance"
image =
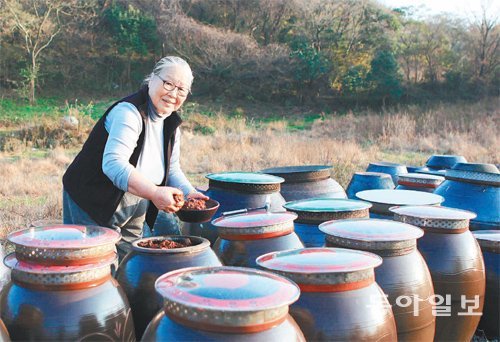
{"type": "Point", "coordinates": [347, 51]}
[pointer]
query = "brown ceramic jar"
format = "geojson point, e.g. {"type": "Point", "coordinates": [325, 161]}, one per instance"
{"type": "Point", "coordinates": [456, 265]}
{"type": "Point", "coordinates": [242, 238]}
{"type": "Point", "coordinates": [340, 300]}
{"type": "Point", "coordinates": [489, 240]}
{"type": "Point", "coordinates": [62, 286]}
{"type": "Point", "coordinates": [141, 267]}
{"type": "Point", "coordinates": [403, 275]}
{"type": "Point", "coordinates": [307, 181]}
{"type": "Point", "coordinates": [224, 304]}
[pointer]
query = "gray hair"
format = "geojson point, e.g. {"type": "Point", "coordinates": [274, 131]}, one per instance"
{"type": "Point", "coordinates": [167, 62]}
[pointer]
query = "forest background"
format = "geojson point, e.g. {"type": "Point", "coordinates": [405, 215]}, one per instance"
{"type": "Point", "coordinates": [342, 53]}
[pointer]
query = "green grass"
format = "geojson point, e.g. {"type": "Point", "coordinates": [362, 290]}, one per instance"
{"type": "Point", "coordinates": [18, 111]}
{"type": "Point", "coordinates": [14, 112]}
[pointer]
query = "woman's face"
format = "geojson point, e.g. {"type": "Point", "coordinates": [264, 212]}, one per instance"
{"type": "Point", "coordinates": [164, 101]}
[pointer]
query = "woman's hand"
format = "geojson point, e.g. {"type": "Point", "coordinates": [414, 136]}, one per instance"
{"type": "Point", "coordinates": [168, 199]}
{"type": "Point", "coordinates": [196, 194]}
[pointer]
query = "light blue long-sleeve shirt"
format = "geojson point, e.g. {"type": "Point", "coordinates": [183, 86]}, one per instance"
{"type": "Point", "coordinates": [124, 124]}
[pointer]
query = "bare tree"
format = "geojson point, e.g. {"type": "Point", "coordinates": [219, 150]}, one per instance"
{"type": "Point", "coordinates": [38, 22]}
{"type": "Point", "coordinates": [485, 38]}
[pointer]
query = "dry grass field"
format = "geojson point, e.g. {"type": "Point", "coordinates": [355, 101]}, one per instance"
{"type": "Point", "coordinates": [30, 186]}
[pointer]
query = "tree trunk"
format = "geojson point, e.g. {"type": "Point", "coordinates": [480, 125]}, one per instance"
{"type": "Point", "coordinates": [33, 75]}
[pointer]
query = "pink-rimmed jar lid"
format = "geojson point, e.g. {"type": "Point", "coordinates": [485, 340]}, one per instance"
{"type": "Point", "coordinates": [489, 240]}
{"type": "Point", "coordinates": [226, 299]}
{"type": "Point", "coordinates": [421, 180]}
{"type": "Point", "coordinates": [59, 277]}
{"type": "Point", "coordinates": [255, 225]}
{"type": "Point", "coordinates": [323, 269]}
{"type": "Point", "coordinates": [64, 244]}
{"type": "Point", "coordinates": [434, 218]}
{"type": "Point", "coordinates": [383, 237]}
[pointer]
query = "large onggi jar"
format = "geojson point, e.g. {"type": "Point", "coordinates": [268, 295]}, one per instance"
{"type": "Point", "coordinates": [382, 200]}
{"type": "Point", "coordinates": [403, 275]}
{"type": "Point", "coordinates": [242, 238]}
{"type": "Point", "coordinates": [71, 303]}
{"type": "Point", "coordinates": [141, 267]}
{"type": "Point", "coordinates": [307, 181]}
{"type": "Point", "coordinates": [456, 265]}
{"type": "Point", "coordinates": [368, 181]}
{"type": "Point", "coordinates": [235, 191]}
{"type": "Point", "coordinates": [443, 161]}
{"type": "Point", "coordinates": [224, 304]}
{"type": "Point", "coordinates": [62, 286]}
{"type": "Point", "coordinates": [474, 187]}
{"type": "Point", "coordinates": [339, 300]}
{"type": "Point", "coordinates": [393, 169]}
{"type": "Point", "coordinates": [312, 212]}
{"type": "Point", "coordinates": [489, 240]}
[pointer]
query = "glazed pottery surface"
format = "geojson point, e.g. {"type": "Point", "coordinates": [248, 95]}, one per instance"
{"type": "Point", "coordinates": [368, 181]}
{"type": "Point", "coordinates": [314, 211]}
{"type": "Point", "coordinates": [456, 265]}
{"type": "Point", "coordinates": [403, 275]}
{"type": "Point", "coordinates": [392, 169]}
{"type": "Point", "coordinates": [444, 161]}
{"type": "Point", "coordinates": [419, 182]}
{"type": "Point", "coordinates": [65, 303]}
{"type": "Point", "coordinates": [339, 300]}
{"type": "Point", "coordinates": [224, 303]}
{"type": "Point", "coordinates": [307, 181]}
{"type": "Point", "coordinates": [235, 191]}
{"type": "Point", "coordinates": [382, 200]}
{"type": "Point", "coordinates": [489, 240]}
{"type": "Point", "coordinates": [242, 238]}
{"type": "Point", "coordinates": [141, 267]}
{"type": "Point", "coordinates": [474, 187]}
{"type": "Point", "coordinates": [64, 244]}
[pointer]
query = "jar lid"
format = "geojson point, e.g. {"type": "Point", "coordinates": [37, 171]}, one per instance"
{"type": "Point", "coordinates": [323, 269]}
{"type": "Point", "coordinates": [427, 171]}
{"type": "Point", "coordinates": [318, 210]}
{"type": "Point", "coordinates": [65, 277]}
{"type": "Point", "coordinates": [372, 234]}
{"type": "Point", "coordinates": [64, 244]}
{"type": "Point", "coordinates": [244, 177]}
{"type": "Point", "coordinates": [488, 240]}
{"type": "Point", "coordinates": [420, 180]}
{"type": "Point", "coordinates": [484, 174]}
{"type": "Point", "coordinates": [399, 197]}
{"type": "Point", "coordinates": [226, 298]}
{"type": "Point", "coordinates": [369, 174]}
{"type": "Point", "coordinates": [64, 236]}
{"type": "Point", "coordinates": [383, 199]}
{"type": "Point", "coordinates": [247, 182]}
{"type": "Point", "coordinates": [387, 164]}
{"type": "Point", "coordinates": [300, 173]}
{"type": "Point", "coordinates": [255, 225]}
{"type": "Point", "coordinates": [442, 218]}
{"type": "Point", "coordinates": [444, 161]}
{"type": "Point", "coordinates": [322, 205]}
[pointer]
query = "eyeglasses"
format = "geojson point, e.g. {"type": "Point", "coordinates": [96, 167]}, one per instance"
{"type": "Point", "coordinates": [169, 86]}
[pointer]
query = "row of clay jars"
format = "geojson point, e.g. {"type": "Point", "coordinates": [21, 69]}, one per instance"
{"type": "Point", "coordinates": [62, 286]}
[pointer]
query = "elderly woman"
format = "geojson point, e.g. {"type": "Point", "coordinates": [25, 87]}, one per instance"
{"type": "Point", "coordinates": [128, 168]}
